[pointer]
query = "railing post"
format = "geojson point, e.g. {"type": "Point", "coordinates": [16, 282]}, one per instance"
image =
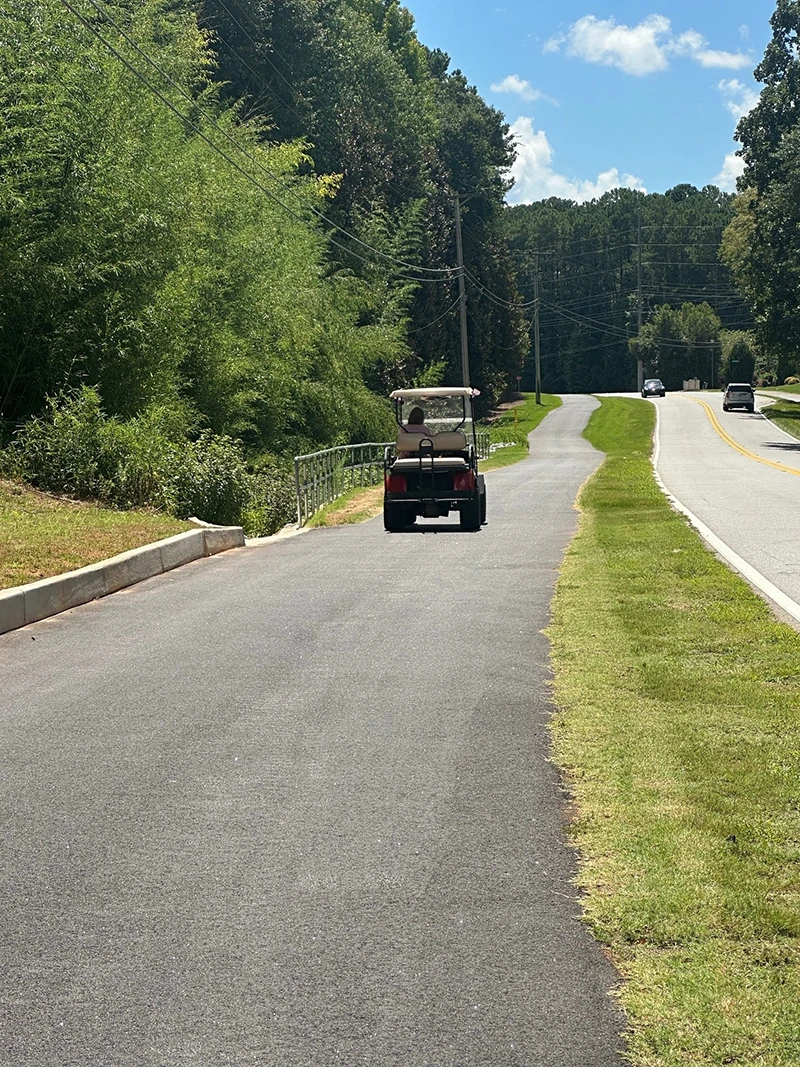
{"type": "Point", "coordinates": [297, 491]}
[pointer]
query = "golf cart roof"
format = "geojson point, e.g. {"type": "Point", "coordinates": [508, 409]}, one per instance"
{"type": "Point", "coordinates": [426, 394]}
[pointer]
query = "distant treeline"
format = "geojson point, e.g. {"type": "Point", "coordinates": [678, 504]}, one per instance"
{"type": "Point", "coordinates": [595, 260]}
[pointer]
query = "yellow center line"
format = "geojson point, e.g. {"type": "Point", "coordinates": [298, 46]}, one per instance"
{"type": "Point", "coordinates": [740, 448]}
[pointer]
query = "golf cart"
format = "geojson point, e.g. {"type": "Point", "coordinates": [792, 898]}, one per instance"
{"type": "Point", "coordinates": [435, 472]}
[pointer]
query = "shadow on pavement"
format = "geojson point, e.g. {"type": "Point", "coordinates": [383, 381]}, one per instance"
{"type": "Point", "coordinates": [438, 527]}
{"type": "Point", "coordinates": [783, 446]}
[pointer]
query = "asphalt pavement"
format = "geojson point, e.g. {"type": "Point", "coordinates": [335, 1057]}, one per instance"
{"type": "Point", "coordinates": [292, 806]}
{"type": "Point", "coordinates": [745, 489]}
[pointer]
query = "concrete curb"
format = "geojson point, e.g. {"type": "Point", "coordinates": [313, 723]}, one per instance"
{"type": "Point", "coordinates": [24, 604]}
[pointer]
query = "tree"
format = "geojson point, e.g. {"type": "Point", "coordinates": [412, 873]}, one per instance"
{"type": "Point", "coordinates": [762, 246]}
{"type": "Point", "coordinates": [678, 344]}
{"type": "Point", "coordinates": [739, 356]}
{"type": "Point", "coordinates": [589, 278]}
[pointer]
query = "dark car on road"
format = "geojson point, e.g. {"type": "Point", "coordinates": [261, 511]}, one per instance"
{"type": "Point", "coordinates": [739, 395]}
{"type": "Point", "coordinates": [653, 387]}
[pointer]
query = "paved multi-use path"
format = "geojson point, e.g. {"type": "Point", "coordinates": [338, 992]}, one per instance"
{"type": "Point", "coordinates": [292, 806]}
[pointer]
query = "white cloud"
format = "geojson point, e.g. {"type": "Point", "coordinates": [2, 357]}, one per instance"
{"type": "Point", "coordinates": [740, 98]}
{"type": "Point", "coordinates": [635, 50]}
{"type": "Point", "coordinates": [639, 50]}
{"type": "Point", "coordinates": [732, 168]}
{"type": "Point", "coordinates": [708, 57]}
{"type": "Point", "coordinates": [519, 87]}
{"type": "Point", "coordinates": [536, 179]}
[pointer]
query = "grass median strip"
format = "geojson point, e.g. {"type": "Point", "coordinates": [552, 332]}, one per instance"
{"type": "Point", "coordinates": [786, 414]}
{"type": "Point", "coordinates": [41, 536]}
{"type": "Point", "coordinates": [679, 732]}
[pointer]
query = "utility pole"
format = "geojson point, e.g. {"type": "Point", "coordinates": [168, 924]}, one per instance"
{"type": "Point", "coordinates": [536, 343]}
{"type": "Point", "coordinates": [639, 364]}
{"type": "Point", "coordinates": [537, 348]}
{"type": "Point", "coordinates": [462, 296]}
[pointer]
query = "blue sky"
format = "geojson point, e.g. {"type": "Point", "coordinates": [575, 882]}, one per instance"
{"type": "Point", "coordinates": [607, 94]}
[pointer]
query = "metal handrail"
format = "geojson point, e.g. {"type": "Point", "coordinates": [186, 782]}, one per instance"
{"type": "Point", "coordinates": [322, 477]}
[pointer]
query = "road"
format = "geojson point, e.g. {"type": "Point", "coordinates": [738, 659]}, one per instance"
{"type": "Point", "coordinates": [292, 806]}
{"type": "Point", "coordinates": [746, 489]}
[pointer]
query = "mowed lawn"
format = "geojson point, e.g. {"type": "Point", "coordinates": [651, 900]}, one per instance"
{"type": "Point", "coordinates": [679, 736]}
{"type": "Point", "coordinates": [41, 536]}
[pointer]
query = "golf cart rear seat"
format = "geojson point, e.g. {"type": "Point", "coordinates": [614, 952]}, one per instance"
{"type": "Point", "coordinates": [444, 451]}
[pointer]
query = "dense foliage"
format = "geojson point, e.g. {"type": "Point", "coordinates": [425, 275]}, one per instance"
{"type": "Point", "coordinates": [378, 108]}
{"type": "Point", "coordinates": [589, 258]}
{"type": "Point", "coordinates": [241, 219]}
{"type": "Point", "coordinates": [762, 244]}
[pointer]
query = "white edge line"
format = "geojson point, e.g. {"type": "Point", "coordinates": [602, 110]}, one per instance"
{"type": "Point", "coordinates": [774, 426]}
{"type": "Point", "coordinates": [745, 569]}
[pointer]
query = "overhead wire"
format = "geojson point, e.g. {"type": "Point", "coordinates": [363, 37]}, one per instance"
{"type": "Point", "coordinates": [427, 326]}
{"type": "Point", "coordinates": [448, 273]}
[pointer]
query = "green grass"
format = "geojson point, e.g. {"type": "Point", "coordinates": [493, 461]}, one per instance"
{"type": "Point", "coordinates": [41, 536]}
{"type": "Point", "coordinates": [786, 414]}
{"type": "Point", "coordinates": [679, 733]}
{"type": "Point", "coordinates": [514, 425]}
{"type": "Point", "coordinates": [780, 388]}
{"type": "Point", "coordinates": [357, 505]}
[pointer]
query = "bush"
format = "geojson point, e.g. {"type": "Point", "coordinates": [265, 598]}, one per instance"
{"type": "Point", "coordinates": [148, 462]}
{"type": "Point", "coordinates": [209, 480]}
{"type": "Point", "coordinates": [272, 503]}
{"type": "Point", "coordinates": [791, 380]}
{"type": "Point", "coordinates": [67, 450]}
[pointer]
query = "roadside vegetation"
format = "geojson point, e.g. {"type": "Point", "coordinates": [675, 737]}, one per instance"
{"type": "Point", "coordinates": [204, 272]}
{"type": "Point", "coordinates": [785, 413]}
{"type": "Point", "coordinates": [41, 535]}
{"type": "Point", "coordinates": [679, 734]}
{"type": "Point", "coordinates": [356, 506]}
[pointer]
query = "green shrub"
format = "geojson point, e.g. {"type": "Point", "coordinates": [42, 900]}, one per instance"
{"type": "Point", "coordinates": [508, 435]}
{"type": "Point", "coordinates": [272, 502]}
{"type": "Point", "coordinates": [147, 462]}
{"type": "Point", "coordinates": [209, 480]}
{"type": "Point", "coordinates": [69, 449]}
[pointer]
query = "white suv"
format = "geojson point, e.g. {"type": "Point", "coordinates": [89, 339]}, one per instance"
{"type": "Point", "coordinates": [739, 395]}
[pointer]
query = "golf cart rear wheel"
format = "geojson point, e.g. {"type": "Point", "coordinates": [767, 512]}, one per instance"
{"type": "Point", "coordinates": [471, 514]}
{"type": "Point", "coordinates": [395, 516]}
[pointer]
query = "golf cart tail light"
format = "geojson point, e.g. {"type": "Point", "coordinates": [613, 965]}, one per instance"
{"type": "Point", "coordinates": [464, 481]}
{"type": "Point", "coordinates": [395, 483]}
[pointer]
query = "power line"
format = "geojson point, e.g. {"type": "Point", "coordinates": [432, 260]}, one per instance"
{"type": "Point", "coordinates": [494, 298]}
{"type": "Point", "coordinates": [447, 271]}
{"type": "Point", "coordinates": [427, 326]}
